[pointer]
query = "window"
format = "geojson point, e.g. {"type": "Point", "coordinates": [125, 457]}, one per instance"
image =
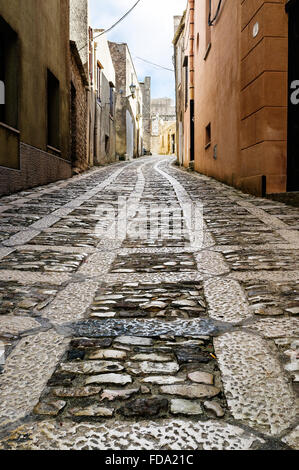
{"type": "Point", "coordinates": [107, 144]}
{"type": "Point", "coordinates": [73, 124]}
{"type": "Point", "coordinates": [53, 106]}
{"type": "Point", "coordinates": [208, 29]}
{"type": "Point", "coordinates": [208, 136]}
{"type": "Point", "coordinates": [90, 33]}
{"type": "Point", "coordinates": [185, 65]}
{"type": "Point", "coordinates": [99, 83]}
{"type": "Point", "coordinates": [9, 74]}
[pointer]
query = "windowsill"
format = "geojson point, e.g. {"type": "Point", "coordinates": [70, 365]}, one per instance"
{"type": "Point", "coordinates": [208, 145]}
{"type": "Point", "coordinates": [12, 129]}
{"type": "Point", "coordinates": [53, 149]}
{"type": "Point", "coordinates": [207, 51]}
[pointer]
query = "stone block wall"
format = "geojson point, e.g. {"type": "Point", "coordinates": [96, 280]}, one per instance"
{"type": "Point", "coordinates": [80, 108]}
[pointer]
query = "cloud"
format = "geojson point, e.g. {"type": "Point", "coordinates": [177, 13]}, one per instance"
{"type": "Point", "coordinates": [148, 30]}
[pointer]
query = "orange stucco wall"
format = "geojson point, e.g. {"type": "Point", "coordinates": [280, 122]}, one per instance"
{"type": "Point", "coordinates": [241, 90]}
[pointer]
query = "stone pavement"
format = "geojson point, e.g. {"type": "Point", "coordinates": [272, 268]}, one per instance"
{"type": "Point", "coordinates": [184, 339]}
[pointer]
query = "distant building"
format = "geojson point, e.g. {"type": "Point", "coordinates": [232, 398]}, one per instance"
{"type": "Point", "coordinates": [168, 138]}
{"type": "Point", "coordinates": [163, 111]}
{"type": "Point", "coordinates": [165, 107]}
{"type": "Point", "coordinates": [129, 108]}
{"type": "Point", "coordinates": [35, 69]}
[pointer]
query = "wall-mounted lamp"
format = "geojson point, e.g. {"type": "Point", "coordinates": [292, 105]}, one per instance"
{"type": "Point", "coordinates": [133, 90]}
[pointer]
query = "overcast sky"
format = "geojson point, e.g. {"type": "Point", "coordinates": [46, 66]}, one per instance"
{"type": "Point", "coordinates": [149, 32]}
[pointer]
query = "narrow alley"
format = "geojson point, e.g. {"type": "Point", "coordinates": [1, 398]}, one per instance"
{"type": "Point", "coordinates": [127, 332]}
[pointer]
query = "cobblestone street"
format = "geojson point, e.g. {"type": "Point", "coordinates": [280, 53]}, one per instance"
{"type": "Point", "coordinates": [126, 342]}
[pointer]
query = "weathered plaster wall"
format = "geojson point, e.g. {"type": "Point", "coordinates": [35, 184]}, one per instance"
{"type": "Point", "coordinates": [43, 36]}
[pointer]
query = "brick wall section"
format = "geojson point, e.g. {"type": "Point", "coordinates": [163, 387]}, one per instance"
{"type": "Point", "coordinates": [80, 158]}
{"type": "Point", "coordinates": [36, 168]}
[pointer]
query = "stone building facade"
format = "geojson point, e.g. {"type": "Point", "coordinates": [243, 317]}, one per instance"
{"type": "Point", "coordinates": [241, 64]}
{"type": "Point", "coordinates": [34, 121]}
{"type": "Point", "coordinates": [146, 115]}
{"type": "Point", "coordinates": [79, 112]}
{"type": "Point", "coordinates": [129, 109]}
{"type": "Point", "coordinates": [102, 100]}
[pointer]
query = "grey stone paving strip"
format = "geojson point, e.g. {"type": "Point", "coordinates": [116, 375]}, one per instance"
{"type": "Point", "coordinates": [291, 236]}
{"type": "Point", "coordinates": [4, 208]}
{"type": "Point", "coordinates": [60, 248]}
{"type": "Point", "coordinates": [292, 439]}
{"type": "Point", "coordinates": [71, 303]}
{"type": "Point", "coordinates": [46, 222]}
{"type": "Point", "coordinates": [260, 275]}
{"type": "Point", "coordinates": [174, 434]}
{"type": "Point", "coordinates": [16, 325]}
{"type": "Point", "coordinates": [280, 246]}
{"type": "Point", "coordinates": [211, 263]}
{"type": "Point", "coordinates": [146, 328]}
{"type": "Point", "coordinates": [21, 238]}
{"type": "Point", "coordinates": [152, 277]}
{"type": "Point", "coordinates": [256, 390]}
{"type": "Point", "coordinates": [226, 299]}
{"type": "Point", "coordinates": [268, 219]}
{"type": "Point", "coordinates": [276, 327]}
{"type": "Point", "coordinates": [33, 277]}
{"type": "Point", "coordinates": [5, 251]}
{"type": "Point", "coordinates": [26, 372]}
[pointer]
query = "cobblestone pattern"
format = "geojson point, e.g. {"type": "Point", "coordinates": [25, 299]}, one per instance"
{"type": "Point", "coordinates": [255, 388]}
{"type": "Point", "coordinates": [149, 375]}
{"type": "Point", "coordinates": [68, 268]}
{"type": "Point", "coordinates": [174, 434]}
{"type": "Point", "coordinates": [34, 358]}
{"type": "Point", "coordinates": [150, 300]}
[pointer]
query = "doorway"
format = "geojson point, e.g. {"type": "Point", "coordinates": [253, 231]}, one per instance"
{"type": "Point", "coordinates": [73, 125]}
{"type": "Point", "coordinates": [292, 8]}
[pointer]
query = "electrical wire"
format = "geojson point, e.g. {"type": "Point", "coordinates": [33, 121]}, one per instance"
{"type": "Point", "coordinates": [156, 65]}
{"type": "Point", "coordinates": [212, 21]}
{"type": "Point", "coordinates": [121, 19]}
{"type": "Point", "coordinates": [115, 24]}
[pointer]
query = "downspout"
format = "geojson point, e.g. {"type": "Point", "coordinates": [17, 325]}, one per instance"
{"type": "Point", "coordinates": [191, 78]}
{"type": "Point", "coordinates": [95, 84]}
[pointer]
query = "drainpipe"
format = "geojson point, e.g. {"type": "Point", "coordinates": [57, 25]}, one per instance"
{"type": "Point", "coordinates": [191, 79]}
{"type": "Point", "coordinates": [191, 50]}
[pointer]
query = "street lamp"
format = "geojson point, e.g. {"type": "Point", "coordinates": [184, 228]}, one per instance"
{"type": "Point", "coordinates": [133, 90]}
